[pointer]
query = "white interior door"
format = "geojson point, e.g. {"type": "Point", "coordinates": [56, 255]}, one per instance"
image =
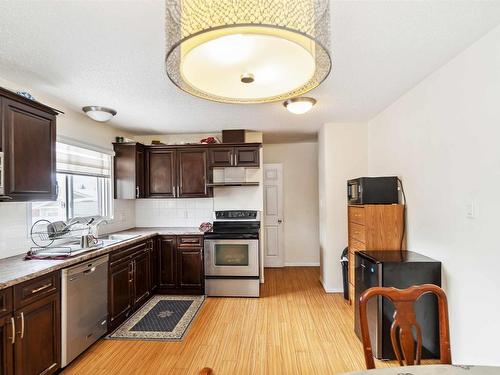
{"type": "Point", "coordinates": [273, 215]}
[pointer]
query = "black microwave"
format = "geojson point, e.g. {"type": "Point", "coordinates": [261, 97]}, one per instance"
{"type": "Point", "coordinates": [373, 190]}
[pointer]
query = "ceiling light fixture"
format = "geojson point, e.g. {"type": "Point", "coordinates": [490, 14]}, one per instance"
{"type": "Point", "coordinates": [300, 105]}
{"type": "Point", "coordinates": [247, 51]}
{"type": "Point", "coordinates": [100, 114]}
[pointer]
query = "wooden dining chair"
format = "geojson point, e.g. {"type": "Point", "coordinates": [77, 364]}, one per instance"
{"type": "Point", "coordinates": [402, 337]}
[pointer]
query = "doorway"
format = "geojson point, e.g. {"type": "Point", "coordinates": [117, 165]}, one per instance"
{"type": "Point", "coordinates": [273, 215]}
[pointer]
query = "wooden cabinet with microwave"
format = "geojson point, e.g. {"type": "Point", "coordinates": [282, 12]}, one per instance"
{"type": "Point", "coordinates": [372, 227]}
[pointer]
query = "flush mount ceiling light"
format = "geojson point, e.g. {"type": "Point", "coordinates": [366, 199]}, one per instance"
{"type": "Point", "coordinates": [247, 51]}
{"type": "Point", "coordinates": [100, 114]}
{"type": "Point", "coordinates": [299, 106]}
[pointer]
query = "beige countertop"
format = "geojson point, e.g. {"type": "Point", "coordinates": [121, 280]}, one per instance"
{"type": "Point", "coordinates": [15, 269]}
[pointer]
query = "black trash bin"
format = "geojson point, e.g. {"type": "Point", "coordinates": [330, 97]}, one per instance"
{"type": "Point", "coordinates": [344, 261]}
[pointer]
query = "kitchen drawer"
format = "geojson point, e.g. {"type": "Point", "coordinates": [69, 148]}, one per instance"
{"type": "Point", "coordinates": [6, 301]}
{"type": "Point", "coordinates": [355, 245]}
{"type": "Point", "coordinates": [129, 252]}
{"type": "Point", "coordinates": [36, 289]}
{"type": "Point", "coordinates": [357, 215]}
{"type": "Point", "coordinates": [357, 232]}
{"type": "Point", "coordinates": [189, 241]}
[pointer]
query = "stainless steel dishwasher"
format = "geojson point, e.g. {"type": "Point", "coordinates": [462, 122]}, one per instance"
{"type": "Point", "coordinates": [84, 311]}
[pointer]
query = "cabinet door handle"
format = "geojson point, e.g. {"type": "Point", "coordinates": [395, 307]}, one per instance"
{"type": "Point", "coordinates": [47, 370]}
{"type": "Point", "coordinates": [5, 197]}
{"type": "Point", "coordinates": [137, 192]}
{"type": "Point", "coordinates": [22, 325]}
{"type": "Point", "coordinates": [13, 323]}
{"type": "Point", "coordinates": [41, 288]}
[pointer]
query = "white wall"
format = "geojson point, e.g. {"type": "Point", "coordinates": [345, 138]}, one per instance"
{"type": "Point", "coordinates": [342, 155]}
{"type": "Point", "coordinates": [442, 138]}
{"type": "Point", "coordinates": [300, 204]}
{"type": "Point", "coordinates": [75, 125]}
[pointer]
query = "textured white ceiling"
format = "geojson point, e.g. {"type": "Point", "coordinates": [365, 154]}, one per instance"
{"type": "Point", "coordinates": [111, 53]}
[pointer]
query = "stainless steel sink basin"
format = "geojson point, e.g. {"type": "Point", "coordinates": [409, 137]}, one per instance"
{"type": "Point", "coordinates": [117, 237]}
{"type": "Point", "coordinates": [73, 248]}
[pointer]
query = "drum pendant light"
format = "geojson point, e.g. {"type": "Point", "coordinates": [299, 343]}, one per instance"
{"type": "Point", "coordinates": [247, 51]}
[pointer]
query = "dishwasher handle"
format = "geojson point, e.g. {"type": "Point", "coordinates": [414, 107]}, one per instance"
{"type": "Point", "coordinates": [90, 270]}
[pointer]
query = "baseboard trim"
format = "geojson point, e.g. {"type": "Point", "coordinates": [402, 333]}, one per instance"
{"type": "Point", "coordinates": [302, 264]}
{"type": "Point", "coordinates": [330, 290]}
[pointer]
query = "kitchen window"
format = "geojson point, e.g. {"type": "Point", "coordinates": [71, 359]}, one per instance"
{"type": "Point", "coordinates": [84, 180]}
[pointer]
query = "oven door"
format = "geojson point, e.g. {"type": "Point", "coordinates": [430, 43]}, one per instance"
{"type": "Point", "coordinates": [232, 257]}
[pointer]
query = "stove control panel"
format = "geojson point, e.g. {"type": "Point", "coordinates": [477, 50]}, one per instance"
{"type": "Point", "coordinates": [236, 215]}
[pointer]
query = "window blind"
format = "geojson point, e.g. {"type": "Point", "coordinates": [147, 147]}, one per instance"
{"type": "Point", "coordinates": [82, 161]}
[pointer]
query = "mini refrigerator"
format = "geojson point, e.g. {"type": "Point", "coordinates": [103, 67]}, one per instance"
{"type": "Point", "coordinates": [399, 269]}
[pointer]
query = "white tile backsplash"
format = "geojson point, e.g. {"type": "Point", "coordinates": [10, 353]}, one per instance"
{"type": "Point", "coordinates": [14, 225]}
{"type": "Point", "coordinates": [173, 212]}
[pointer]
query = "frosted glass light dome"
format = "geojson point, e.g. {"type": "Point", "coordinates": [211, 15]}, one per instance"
{"type": "Point", "coordinates": [247, 51]}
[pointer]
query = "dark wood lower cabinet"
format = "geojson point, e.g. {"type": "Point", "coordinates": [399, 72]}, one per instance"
{"type": "Point", "coordinates": [164, 265]}
{"type": "Point", "coordinates": [6, 345]}
{"type": "Point", "coordinates": [168, 262]}
{"type": "Point", "coordinates": [129, 281]}
{"type": "Point", "coordinates": [141, 272]}
{"type": "Point", "coordinates": [190, 266]}
{"type": "Point", "coordinates": [30, 328]}
{"type": "Point", "coordinates": [120, 292]}
{"type": "Point", "coordinates": [155, 265]}
{"type": "Point", "coordinates": [181, 265]}
{"type": "Point", "coordinates": [38, 342]}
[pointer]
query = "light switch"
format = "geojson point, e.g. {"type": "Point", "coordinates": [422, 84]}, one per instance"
{"type": "Point", "coordinates": [470, 209]}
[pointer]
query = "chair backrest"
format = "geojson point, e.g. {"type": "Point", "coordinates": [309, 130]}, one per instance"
{"type": "Point", "coordinates": [405, 322]}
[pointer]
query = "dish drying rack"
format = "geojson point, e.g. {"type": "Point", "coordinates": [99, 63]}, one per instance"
{"type": "Point", "coordinates": [62, 239]}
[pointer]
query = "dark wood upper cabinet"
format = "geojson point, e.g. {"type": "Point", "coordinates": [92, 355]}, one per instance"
{"type": "Point", "coordinates": [6, 345]}
{"type": "Point", "coordinates": [176, 171]}
{"type": "Point", "coordinates": [129, 170]}
{"type": "Point", "coordinates": [221, 157]}
{"type": "Point", "coordinates": [160, 173]}
{"type": "Point", "coordinates": [237, 156]}
{"type": "Point", "coordinates": [190, 268]}
{"type": "Point", "coordinates": [168, 262]}
{"type": "Point", "coordinates": [29, 147]}
{"type": "Point", "coordinates": [192, 173]}
{"type": "Point", "coordinates": [247, 156]}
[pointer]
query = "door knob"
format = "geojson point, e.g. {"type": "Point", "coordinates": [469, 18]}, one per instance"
{"type": "Point", "coordinates": [280, 221]}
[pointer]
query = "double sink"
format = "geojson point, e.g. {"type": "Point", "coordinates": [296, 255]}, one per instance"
{"type": "Point", "coordinates": [74, 248]}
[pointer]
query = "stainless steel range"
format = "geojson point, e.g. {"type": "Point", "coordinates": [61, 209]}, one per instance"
{"type": "Point", "coordinates": [232, 255]}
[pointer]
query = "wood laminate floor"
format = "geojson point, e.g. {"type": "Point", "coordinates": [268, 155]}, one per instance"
{"type": "Point", "coordinates": [294, 328]}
